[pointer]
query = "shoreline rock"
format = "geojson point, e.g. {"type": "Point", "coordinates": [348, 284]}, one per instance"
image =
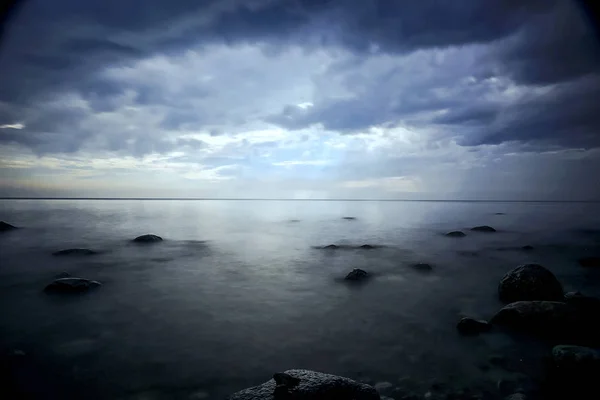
{"type": "Point", "coordinates": [148, 238]}
{"type": "Point", "coordinates": [311, 385]}
{"type": "Point", "coordinates": [529, 282]}
{"type": "Point", "coordinates": [470, 326]}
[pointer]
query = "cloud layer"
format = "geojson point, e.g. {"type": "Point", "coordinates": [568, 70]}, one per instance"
{"type": "Point", "coordinates": [340, 98]}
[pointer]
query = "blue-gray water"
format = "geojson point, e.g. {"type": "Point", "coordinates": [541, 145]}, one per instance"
{"type": "Point", "coordinates": [238, 291]}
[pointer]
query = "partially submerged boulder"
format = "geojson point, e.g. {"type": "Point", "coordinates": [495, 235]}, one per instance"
{"type": "Point", "coordinates": [470, 326]}
{"type": "Point", "coordinates": [529, 282]}
{"type": "Point", "coordinates": [456, 234]}
{"type": "Point", "coordinates": [357, 274]}
{"type": "Point", "coordinates": [331, 247]}
{"type": "Point", "coordinates": [422, 267]}
{"type": "Point", "coordinates": [589, 262]}
{"type": "Point", "coordinates": [367, 247]}
{"type": "Point", "coordinates": [483, 228]}
{"type": "Point", "coordinates": [71, 285]}
{"type": "Point", "coordinates": [74, 252]}
{"type": "Point", "coordinates": [5, 226]}
{"type": "Point", "coordinates": [311, 386]}
{"type": "Point", "coordinates": [149, 238]}
{"type": "Point", "coordinates": [527, 247]}
{"type": "Point", "coordinates": [349, 218]}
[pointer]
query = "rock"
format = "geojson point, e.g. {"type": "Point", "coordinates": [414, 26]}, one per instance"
{"type": "Point", "coordinates": [529, 282]}
{"type": "Point", "coordinates": [149, 238]}
{"type": "Point", "coordinates": [367, 247]}
{"type": "Point", "coordinates": [312, 386]}
{"type": "Point", "coordinates": [283, 379]}
{"type": "Point", "coordinates": [76, 252]}
{"type": "Point", "coordinates": [383, 386]}
{"type": "Point", "coordinates": [574, 372]}
{"type": "Point", "coordinates": [500, 213]}
{"type": "Point", "coordinates": [422, 267]}
{"type": "Point", "coordinates": [470, 326]}
{"type": "Point", "coordinates": [63, 274]}
{"type": "Point", "coordinates": [527, 247]}
{"type": "Point", "coordinates": [585, 304]}
{"type": "Point", "coordinates": [71, 285]}
{"type": "Point", "coordinates": [349, 218]}
{"type": "Point", "coordinates": [456, 234]}
{"type": "Point", "coordinates": [294, 220]}
{"type": "Point", "coordinates": [589, 262]}
{"type": "Point", "coordinates": [5, 226]}
{"type": "Point", "coordinates": [331, 247]}
{"type": "Point", "coordinates": [533, 315]}
{"type": "Point", "coordinates": [516, 396]}
{"type": "Point", "coordinates": [357, 274]}
{"type": "Point", "coordinates": [483, 228]}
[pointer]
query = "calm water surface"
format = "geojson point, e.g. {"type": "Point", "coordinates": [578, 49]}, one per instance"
{"type": "Point", "coordinates": [238, 291]}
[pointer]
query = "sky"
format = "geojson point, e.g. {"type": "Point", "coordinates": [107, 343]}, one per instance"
{"type": "Point", "coordinates": [300, 99]}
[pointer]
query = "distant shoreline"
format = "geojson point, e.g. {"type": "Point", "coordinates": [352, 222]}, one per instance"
{"type": "Point", "coordinates": [273, 199]}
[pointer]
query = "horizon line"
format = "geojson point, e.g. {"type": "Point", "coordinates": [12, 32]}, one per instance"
{"type": "Point", "coordinates": [287, 199]}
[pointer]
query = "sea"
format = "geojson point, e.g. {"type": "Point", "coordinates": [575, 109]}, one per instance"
{"type": "Point", "coordinates": [241, 289]}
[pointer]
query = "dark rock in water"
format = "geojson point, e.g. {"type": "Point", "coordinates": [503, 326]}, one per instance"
{"type": "Point", "coordinates": [530, 282]}
{"type": "Point", "coordinates": [483, 228]}
{"type": "Point", "coordinates": [551, 319]}
{"type": "Point", "coordinates": [589, 262]}
{"type": "Point", "coordinates": [516, 396]}
{"type": "Point", "coordinates": [331, 247]}
{"type": "Point", "coordinates": [76, 252]}
{"type": "Point", "coordinates": [587, 305]}
{"type": "Point", "coordinates": [573, 295]}
{"type": "Point", "coordinates": [149, 238]}
{"type": "Point", "coordinates": [456, 234]}
{"type": "Point", "coordinates": [573, 373]}
{"type": "Point", "coordinates": [5, 226]}
{"type": "Point", "coordinates": [470, 326]}
{"type": "Point", "coordinates": [500, 214]}
{"type": "Point", "coordinates": [63, 274]}
{"type": "Point", "coordinates": [422, 267]}
{"type": "Point", "coordinates": [294, 220]}
{"type": "Point", "coordinates": [527, 247]}
{"type": "Point", "coordinates": [312, 386]}
{"type": "Point", "coordinates": [71, 285]}
{"type": "Point", "coordinates": [357, 274]}
{"type": "Point", "coordinates": [367, 247]}
{"type": "Point", "coordinates": [349, 218]}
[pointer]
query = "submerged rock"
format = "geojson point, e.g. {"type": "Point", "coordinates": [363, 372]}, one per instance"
{"type": "Point", "coordinates": [77, 252]}
{"type": "Point", "coordinates": [527, 247]}
{"type": "Point", "coordinates": [589, 262]}
{"type": "Point", "coordinates": [483, 228]}
{"type": "Point", "coordinates": [312, 386]}
{"type": "Point", "coordinates": [574, 372]}
{"type": "Point", "coordinates": [456, 234]}
{"type": "Point", "coordinates": [331, 247]}
{"type": "Point", "coordinates": [529, 282]}
{"type": "Point", "coordinates": [500, 213]}
{"type": "Point", "coordinates": [470, 326]}
{"type": "Point", "coordinates": [422, 267]}
{"type": "Point", "coordinates": [349, 218]}
{"type": "Point", "coordinates": [367, 247]}
{"type": "Point", "coordinates": [71, 285]}
{"type": "Point", "coordinates": [5, 226]}
{"type": "Point", "coordinates": [149, 238]}
{"type": "Point", "coordinates": [357, 274]}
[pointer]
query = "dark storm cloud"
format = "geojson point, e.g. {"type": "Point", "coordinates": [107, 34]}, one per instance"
{"type": "Point", "coordinates": [57, 46]}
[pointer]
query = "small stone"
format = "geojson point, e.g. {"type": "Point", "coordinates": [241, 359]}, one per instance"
{"type": "Point", "coordinates": [527, 247]}
{"type": "Point", "coordinates": [149, 238]}
{"type": "Point", "coordinates": [483, 228]}
{"type": "Point", "coordinates": [422, 267]}
{"type": "Point", "coordinates": [456, 234]}
{"type": "Point", "coordinates": [349, 218]}
{"type": "Point", "coordinates": [383, 386]}
{"type": "Point", "coordinates": [589, 262]}
{"type": "Point", "coordinates": [331, 247]}
{"type": "Point", "coordinates": [357, 274]}
{"type": "Point", "coordinates": [367, 247]}
{"type": "Point", "coordinates": [74, 252]}
{"type": "Point", "coordinates": [470, 326]}
{"type": "Point", "coordinates": [71, 285]}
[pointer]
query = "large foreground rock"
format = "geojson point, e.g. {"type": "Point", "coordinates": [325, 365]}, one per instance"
{"type": "Point", "coordinates": [312, 386]}
{"type": "Point", "coordinates": [530, 282]}
{"type": "Point", "coordinates": [5, 226]}
{"type": "Point", "coordinates": [149, 238]}
{"type": "Point", "coordinates": [71, 285]}
{"type": "Point", "coordinates": [554, 320]}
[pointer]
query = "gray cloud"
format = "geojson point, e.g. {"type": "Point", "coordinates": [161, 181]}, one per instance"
{"type": "Point", "coordinates": [54, 47]}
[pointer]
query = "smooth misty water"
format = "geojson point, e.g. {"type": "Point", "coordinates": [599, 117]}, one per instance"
{"type": "Point", "coordinates": [237, 291]}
